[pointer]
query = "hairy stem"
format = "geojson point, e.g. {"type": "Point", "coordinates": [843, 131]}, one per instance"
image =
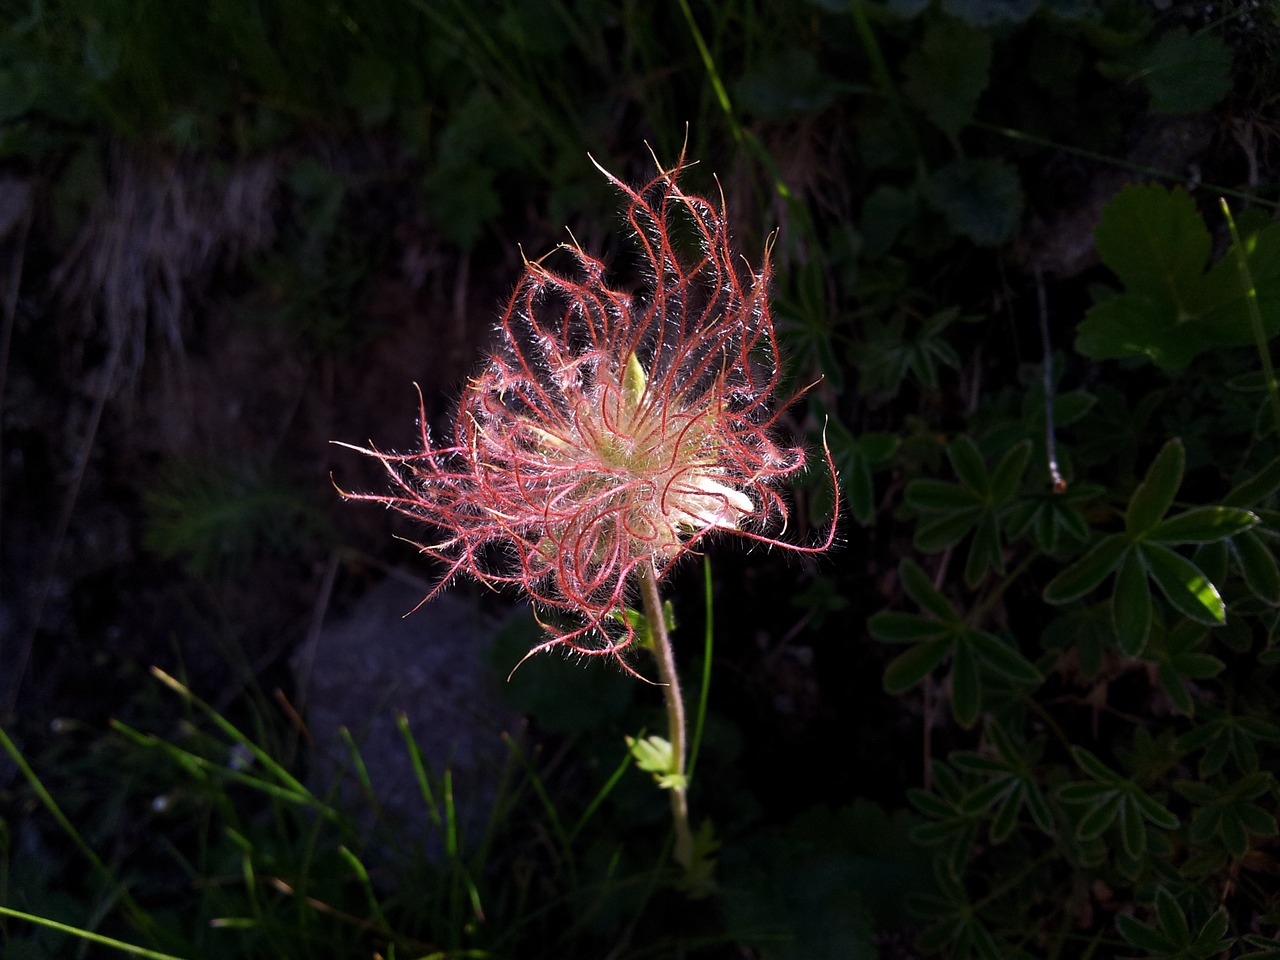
{"type": "Point", "coordinates": [663, 653]}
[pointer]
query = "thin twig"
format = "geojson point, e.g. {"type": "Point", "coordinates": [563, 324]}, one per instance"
{"type": "Point", "coordinates": [1050, 433]}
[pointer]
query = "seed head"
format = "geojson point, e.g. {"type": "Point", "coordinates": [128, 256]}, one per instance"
{"type": "Point", "coordinates": [610, 431]}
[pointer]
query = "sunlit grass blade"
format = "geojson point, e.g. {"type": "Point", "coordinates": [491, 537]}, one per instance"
{"type": "Point", "coordinates": [231, 731]}
{"type": "Point", "coordinates": [1255, 314]}
{"type": "Point", "coordinates": [203, 768]}
{"type": "Point", "coordinates": [88, 935]}
{"type": "Point", "coordinates": [362, 876]}
{"type": "Point", "coordinates": [420, 770]}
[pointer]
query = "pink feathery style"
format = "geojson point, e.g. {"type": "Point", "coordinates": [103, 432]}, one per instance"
{"type": "Point", "coordinates": [610, 434]}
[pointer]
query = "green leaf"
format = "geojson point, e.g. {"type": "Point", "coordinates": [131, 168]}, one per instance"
{"type": "Point", "coordinates": [1089, 571]}
{"type": "Point", "coordinates": [885, 214]}
{"type": "Point", "coordinates": [786, 84]}
{"type": "Point", "coordinates": [1157, 813]}
{"type": "Point", "coordinates": [1155, 494]}
{"type": "Point", "coordinates": [652, 754]}
{"type": "Point", "coordinates": [1171, 308]}
{"type": "Point", "coordinates": [1184, 585]}
{"type": "Point", "coordinates": [946, 73]}
{"type": "Point", "coordinates": [1154, 240]}
{"type": "Point", "coordinates": [1095, 767]}
{"type": "Point", "coordinates": [1131, 606]}
{"type": "Point", "coordinates": [1187, 73]}
{"type": "Point", "coordinates": [980, 197]}
{"type": "Point", "coordinates": [1133, 325]}
{"type": "Point", "coordinates": [1008, 472]}
{"type": "Point", "coordinates": [914, 665]}
{"type": "Point", "coordinates": [1090, 793]}
{"type": "Point", "coordinates": [984, 553]}
{"type": "Point", "coordinates": [967, 462]}
{"type": "Point", "coordinates": [879, 448]}
{"type": "Point", "coordinates": [1173, 922]}
{"type": "Point", "coordinates": [1257, 488]}
{"type": "Point", "coordinates": [939, 496]}
{"type": "Point", "coordinates": [940, 532]}
{"type": "Point", "coordinates": [1096, 821]}
{"type": "Point", "coordinates": [893, 627]}
{"type": "Point", "coordinates": [1259, 567]}
{"type": "Point", "coordinates": [1141, 936]}
{"type": "Point", "coordinates": [917, 586]}
{"type": "Point", "coordinates": [1202, 525]}
{"type": "Point", "coordinates": [1133, 832]}
{"type": "Point", "coordinates": [1003, 658]}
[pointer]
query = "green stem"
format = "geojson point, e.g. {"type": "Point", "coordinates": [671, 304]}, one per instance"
{"type": "Point", "coordinates": [663, 653]}
{"type": "Point", "coordinates": [1119, 163]}
{"type": "Point", "coordinates": [1255, 315]}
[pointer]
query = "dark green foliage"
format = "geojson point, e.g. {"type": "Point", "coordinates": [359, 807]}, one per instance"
{"type": "Point", "coordinates": [1060, 519]}
{"type": "Point", "coordinates": [1171, 308]}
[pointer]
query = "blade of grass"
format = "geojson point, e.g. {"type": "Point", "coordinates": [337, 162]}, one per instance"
{"type": "Point", "coordinates": [419, 769]}
{"type": "Point", "coordinates": [603, 793]}
{"type": "Point", "coordinates": [884, 80]}
{"type": "Point", "coordinates": [362, 771]}
{"type": "Point", "coordinates": [1255, 315]}
{"type": "Point", "coordinates": [136, 914]}
{"type": "Point", "coordinates": [713, 74]}
{"type": "Point", "coordinates": [201, 766]}
{"type": "Point", "coordinates": [231, 730]}
{"type": "Point", "coordinates": [557, 824]}
{"type": "Point", "coordinates": [1169, 176]}
{"type": "Point", "coordinates": [362, 875]}
{"type": "Point", "coordinates": [88, 935]}
{"type": "Point", "coordinates": [704, 692]}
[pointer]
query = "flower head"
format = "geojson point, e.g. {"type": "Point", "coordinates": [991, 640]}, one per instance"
{"type": "Point", "coordinates": [609, 434]}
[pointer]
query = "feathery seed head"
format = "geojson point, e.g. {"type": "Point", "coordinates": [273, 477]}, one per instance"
{"type": "Point", "coordinates": [609, 431]}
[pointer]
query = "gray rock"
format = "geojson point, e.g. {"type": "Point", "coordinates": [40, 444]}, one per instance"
{"type": "Point", "coordinates": [365, 670]}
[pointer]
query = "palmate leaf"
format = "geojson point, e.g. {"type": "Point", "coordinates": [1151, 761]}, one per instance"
{"type": "Point", "coordinates": [976, 656]}
{"type": "Point", "coordinates": [950, 511]}
{"type": "Point", "coordinates": [1171, 308]}
{"type": "Point", "coordinates": [1179, 658]}
{"type": "Point", "coordinates": [1114, 800]}
{"type": "Point", "coordinates": [1141, 554]}
{"type": "Point", "coordinates": [1229, 812]}
{"type": "Point", "coordinates": [1227, 735]}
{"type": "Point", "coordinates": [1012, 783]}
{"type": "Point", "coordinates": [1173, 937]}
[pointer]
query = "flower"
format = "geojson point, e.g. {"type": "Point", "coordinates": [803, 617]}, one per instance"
{"type": "Point", "coordinates": [609, 434]}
